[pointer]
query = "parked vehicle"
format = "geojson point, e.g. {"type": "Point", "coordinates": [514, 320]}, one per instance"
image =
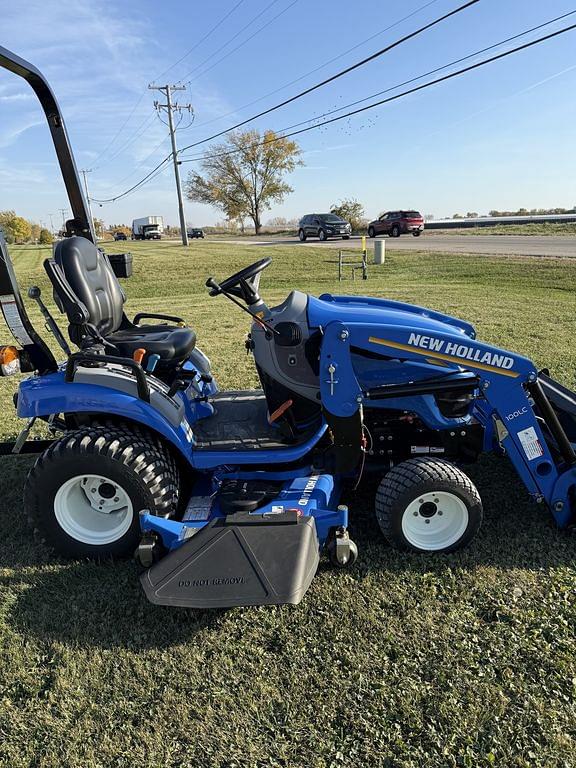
{"type": "Point", "coordinates": [148, 228]}
{"type": "Point", "coordinates": [323, 226]}
{"type": "Point", "coordinates": [396, 223]}
{"type": "Point", "coordinates": [120, 236]}
{"type": "Point", "coordinates": [195, 232]}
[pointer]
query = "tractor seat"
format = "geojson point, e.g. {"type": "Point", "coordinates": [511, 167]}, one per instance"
{"type": "Point", "coordinates": [86, 288]}
{"type": "Point", "coordinates": [168, 342]}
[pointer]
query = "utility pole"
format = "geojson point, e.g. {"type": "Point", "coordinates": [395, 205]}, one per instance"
{"type": "Point", "coordinates": [170, 108]}
{"type": "Point", "coordinates": [84, 172]}
{"type": "Point", "coordinates": [51, 215]}
{"type": "Point", "coordinates": [63, 211]}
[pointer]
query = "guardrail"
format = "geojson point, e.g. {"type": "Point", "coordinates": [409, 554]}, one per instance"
{"type": "Point", "coordinates": [493, 221]}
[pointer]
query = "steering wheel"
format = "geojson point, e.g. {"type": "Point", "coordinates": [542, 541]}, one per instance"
{"type": "Point", "coordinates": [243, 284]}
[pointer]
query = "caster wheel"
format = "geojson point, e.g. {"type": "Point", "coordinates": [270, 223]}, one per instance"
{"type": "Point", "coordinates": [342, 551]}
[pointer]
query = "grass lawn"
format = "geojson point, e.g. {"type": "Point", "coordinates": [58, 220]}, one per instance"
{"type": "Point", "coordinates": [407, 661]}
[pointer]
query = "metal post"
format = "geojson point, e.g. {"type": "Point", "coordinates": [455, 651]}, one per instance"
{"type": "Point", "coordinates": [84, 172]}
{"type": "Point", "coordinates": [364, 270]}
{"type": "Point", "coordinates": [339, 266]}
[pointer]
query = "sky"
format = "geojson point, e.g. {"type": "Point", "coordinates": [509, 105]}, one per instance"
{"type": "Point", "coordinates": [500, 137]}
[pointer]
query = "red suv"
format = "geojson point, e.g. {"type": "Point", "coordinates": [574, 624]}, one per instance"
{"type": "Point", "coordinates": [396, 223]}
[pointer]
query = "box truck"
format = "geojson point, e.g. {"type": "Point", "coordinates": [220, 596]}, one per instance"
{"type": "Point", "coordinates": [148, 228]}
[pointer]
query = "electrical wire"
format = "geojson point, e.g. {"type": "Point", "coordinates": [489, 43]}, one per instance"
{"type": "Point", "coordinates": [230, 40]}
{"type": "Point", "coordinates": [137, 104]}
{"type": "Point", "coordinates": [203, 39]}
{"type": "Point", "coordinates": [395, 97]}
{"type": "Point", "coordinates": [319, 67]}
{"type": "Point", "coordinates": [243, 43]}
{"type": "Point", "coordinates": [142, 181]}
{"type": "Point", "coordinates": [430, 72]}
{"type": "Point", "coordinates": [340, 74]}
{"type": "Point", "coordinates": [318, 85]}
{"type": "Point", "coordinates": [271, 93]}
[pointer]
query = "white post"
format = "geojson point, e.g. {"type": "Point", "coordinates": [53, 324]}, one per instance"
{"type": "Point", "coordinates": [379, 251]}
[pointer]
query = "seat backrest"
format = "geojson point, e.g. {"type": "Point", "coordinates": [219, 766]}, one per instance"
{"type": "Point", "coordinates": [90, 276]}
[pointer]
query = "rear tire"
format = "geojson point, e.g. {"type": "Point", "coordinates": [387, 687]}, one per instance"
{"type": "Point", "coordinates": [302, 235]}
{"type": "Point", "coordinates": [417, 233]}
{"type": "Point", "coordinates": [395, 231]}
{"type": "Point", "coordinates": [428, 505]}
{"type": "Point", "coordinates": [85, 492]}
{"type": "Point", "coordinates": [371, 232]}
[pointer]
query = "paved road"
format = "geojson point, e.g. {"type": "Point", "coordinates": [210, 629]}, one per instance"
{"type": "Point", "coordinates": [516, 245]}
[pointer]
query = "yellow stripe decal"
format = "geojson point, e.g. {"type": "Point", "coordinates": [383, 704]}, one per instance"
{"type": "Point", "coordinates": [441, 356]}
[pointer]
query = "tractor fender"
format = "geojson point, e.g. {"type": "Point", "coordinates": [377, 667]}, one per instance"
{"type": "Point", "coordinates": [43, 396]}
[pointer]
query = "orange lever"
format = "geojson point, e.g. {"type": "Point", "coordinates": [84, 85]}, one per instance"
{"type": "Point", "coordinates": [138, 355]}
{"type": "Point", "coordinates": [279, 411]}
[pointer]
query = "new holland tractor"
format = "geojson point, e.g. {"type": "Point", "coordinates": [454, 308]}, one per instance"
{"type": "Point", "coordinates": [230, 497]}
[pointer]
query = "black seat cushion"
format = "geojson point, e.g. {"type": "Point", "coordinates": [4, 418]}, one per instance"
{"type": "Point", "coordinates": [172, 344]}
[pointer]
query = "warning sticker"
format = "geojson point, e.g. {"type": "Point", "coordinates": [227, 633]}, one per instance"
{"type": "Point", "coordinates": [13, 319]}
{"type": "Point", "coordinates": [198, 509]}
{"type": "Point", "coordinates": [530, 443]}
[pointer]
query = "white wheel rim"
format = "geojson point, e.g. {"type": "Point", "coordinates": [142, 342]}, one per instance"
{"type": "Point", "coordinates": [93, 509]}
{"type": "Point", "coordinates": [435, 520]}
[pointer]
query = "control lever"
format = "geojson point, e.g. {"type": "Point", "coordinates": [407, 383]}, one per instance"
{"type": "Point", "coordinates": [35, 293]}
{"type": "Point", "coordinates": [178, 385]}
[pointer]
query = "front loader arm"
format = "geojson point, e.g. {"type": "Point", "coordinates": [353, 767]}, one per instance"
{"type": "Point", "coordinates": [507, 384]}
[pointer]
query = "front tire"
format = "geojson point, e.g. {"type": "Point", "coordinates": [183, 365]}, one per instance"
{"type": "Point", "coordinates": [371, 232]}
{"type": "Point", "coordinates": [417, 233]}
{"type": "Point", "coordinates": [395, 231]}
{"type": "Point", "coordinates": [302, 235]}
{"type": "Point", "coordinates": [428, 505]}
{"type": "Point", "coordinates": [84, 493]}
{"type": "Point", "coordinates": [322, 236]}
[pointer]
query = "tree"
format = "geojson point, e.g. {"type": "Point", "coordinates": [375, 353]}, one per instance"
{"type": "Point", "coordinates": [120, 228]}
{"type": "Point", "coordinates": [99, 227]}
{"type": "Point", "coordinates": [352, 211]}
{"type": "Point", "coordinates": [45, 237]}
{"type": "Point", "coordinates": [16, 229]}
{"type": "Point", "coordinates": [243, 175]}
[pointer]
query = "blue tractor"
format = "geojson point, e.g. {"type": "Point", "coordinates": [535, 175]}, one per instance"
{"type": "Point", "coordinates": [230, 498]}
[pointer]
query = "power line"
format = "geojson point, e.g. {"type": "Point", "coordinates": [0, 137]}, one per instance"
{"type": "Point", "coordinates": [430, 72]}
{"type": "Point", "coordinates": [319, 67]}
{"type": "Point", "coordinates": [457, 73]}
{"type": "Point", "coordinates": [135, 186]}
{"type": "Point", "coordinates": [137, 104]}
{"type": "Point", "coordinates": [230, 40]}
{"type": "Point", "coordinates": [243, 43]}
{"type": "Point", "coordinates": [396, 96]}
{"type": "Point", "coordinates": [271, 93]}
{"type": "Point", "coordinates": [338, 75]}
{"type": "Point", "coordinates": [203, 39]}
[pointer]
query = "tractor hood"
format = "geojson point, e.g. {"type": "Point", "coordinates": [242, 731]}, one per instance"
{"type": "Point", "coordinates": [372, 311]}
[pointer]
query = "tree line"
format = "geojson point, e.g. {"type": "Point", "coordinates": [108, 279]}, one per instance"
{"type": "Point", "coordinates": [19, 230]}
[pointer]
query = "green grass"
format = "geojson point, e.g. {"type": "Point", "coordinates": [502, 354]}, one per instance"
{"type": "Point", "coordinates": [407, 661]}
{"type": "Point", "coordinates": [539, 229]}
